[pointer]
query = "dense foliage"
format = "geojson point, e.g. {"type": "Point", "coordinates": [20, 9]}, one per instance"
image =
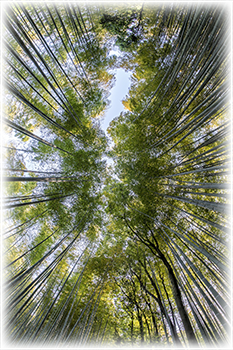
{"type": "Point", "coordinates": [135, 253]}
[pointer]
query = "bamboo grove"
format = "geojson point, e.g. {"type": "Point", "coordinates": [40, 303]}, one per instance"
{"type": "Point", "coordinates": [130, 254]}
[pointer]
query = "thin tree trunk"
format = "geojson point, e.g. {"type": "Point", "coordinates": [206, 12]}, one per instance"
{"type": "Point", "coordinates": [178, 298]}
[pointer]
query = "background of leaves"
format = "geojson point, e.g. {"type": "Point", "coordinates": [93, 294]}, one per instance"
{"type": "Point", "coordinates": [137, 253]}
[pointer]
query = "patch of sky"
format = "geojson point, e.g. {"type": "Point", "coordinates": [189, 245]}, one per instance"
{"type": "Point", "coordinates": [117, 94]}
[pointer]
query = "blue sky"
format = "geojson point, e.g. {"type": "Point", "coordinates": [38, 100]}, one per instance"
{"type": "Point", "coordinates": [118, 93]}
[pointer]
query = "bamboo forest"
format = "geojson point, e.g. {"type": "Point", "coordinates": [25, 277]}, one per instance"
{"type": "Point", "coordinates": [116, 238]}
